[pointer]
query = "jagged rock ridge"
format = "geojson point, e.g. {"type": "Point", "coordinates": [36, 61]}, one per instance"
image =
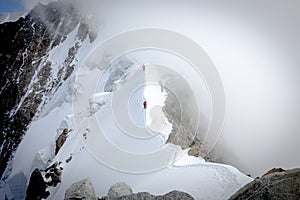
{"type": "Point", "coordinates": [28, 78]}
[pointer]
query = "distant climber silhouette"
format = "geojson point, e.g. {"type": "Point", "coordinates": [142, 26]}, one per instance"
{"type": "Point", "coordinates": [143, 66]}
{"type": "Point", "coordinates": [145, 104]}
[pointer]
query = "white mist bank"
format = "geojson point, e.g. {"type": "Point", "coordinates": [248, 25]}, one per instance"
{"type": "Point", "coordinates": [255, 52]}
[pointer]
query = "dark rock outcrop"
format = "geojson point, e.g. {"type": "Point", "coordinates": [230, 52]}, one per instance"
{"type": "Point", "coordinates": [274, 186]}
{"type": "Point", "coordinates": [54, 173]}
{"type": "Point", "coordinates": [61, 140]}
{"type": "Point", "coordinates": [37, 187]}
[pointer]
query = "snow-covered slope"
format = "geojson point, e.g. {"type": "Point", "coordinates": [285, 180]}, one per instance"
{"type": "Point", "coordinates": [91, 157]}
{"type": "Point", "coordinates": [113, 137]}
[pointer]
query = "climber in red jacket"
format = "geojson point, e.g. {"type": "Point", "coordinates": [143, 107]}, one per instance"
{"type": "Point", "coordinates": [145, 104]}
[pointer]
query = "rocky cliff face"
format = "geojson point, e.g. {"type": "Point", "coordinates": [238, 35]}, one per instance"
{"type": "Point", "coordinates": [277, 185]}
{"type": "Point", "coordinates": [29, 76]}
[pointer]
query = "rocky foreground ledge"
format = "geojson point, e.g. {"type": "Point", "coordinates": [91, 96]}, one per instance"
{"type": "Point", "coordinates": [277, 184]}
{"type": "Point", "coordinates": [84, 190]}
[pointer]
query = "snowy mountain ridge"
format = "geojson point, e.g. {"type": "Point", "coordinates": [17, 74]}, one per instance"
{"type": "Point", "coordinates": [47, 77]}
{"type": "Point", "coordinates": [193, 173]}
{"type": "Point", "coordinates": [11, 17]}
{"type": "Point", "coordinates": [30, 74]}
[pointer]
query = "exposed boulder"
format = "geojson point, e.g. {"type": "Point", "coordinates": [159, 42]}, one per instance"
{"type": "Point", "coordinates": [276, 186]}
{"type": "Point", "coordinates": [119, 189]}
{"type": "Point", "coordinates": [195, 149]}
{"type": "Point", "coordinates": [83, 190]}
{"type": "Point", "coordinates": [61, 140]}
{"type": "Point", "coordinates": [69, 159]}
{"type": "Point", "coordinates": [37, 187]}
{"type": "Point", "coordinates": [175, 195]}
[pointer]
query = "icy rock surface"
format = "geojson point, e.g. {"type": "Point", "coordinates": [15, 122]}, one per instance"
{"type": "Point", "coordinates": [118, 190]}
{"type": "Point", "coordinates": [81, 190]}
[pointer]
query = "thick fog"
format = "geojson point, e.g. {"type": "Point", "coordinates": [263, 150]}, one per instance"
{"type": "Point", "coordinates": [255, 46]}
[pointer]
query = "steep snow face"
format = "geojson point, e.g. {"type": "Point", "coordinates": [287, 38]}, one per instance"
{"type": "Point", "coordinates": [87, 144]}
{"type": "Point", "coordinates": [130, 148]}
{"type": "Point", "coordinates": [114, 138]}
{"type": "Point", "coordinates": [155, 97]}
